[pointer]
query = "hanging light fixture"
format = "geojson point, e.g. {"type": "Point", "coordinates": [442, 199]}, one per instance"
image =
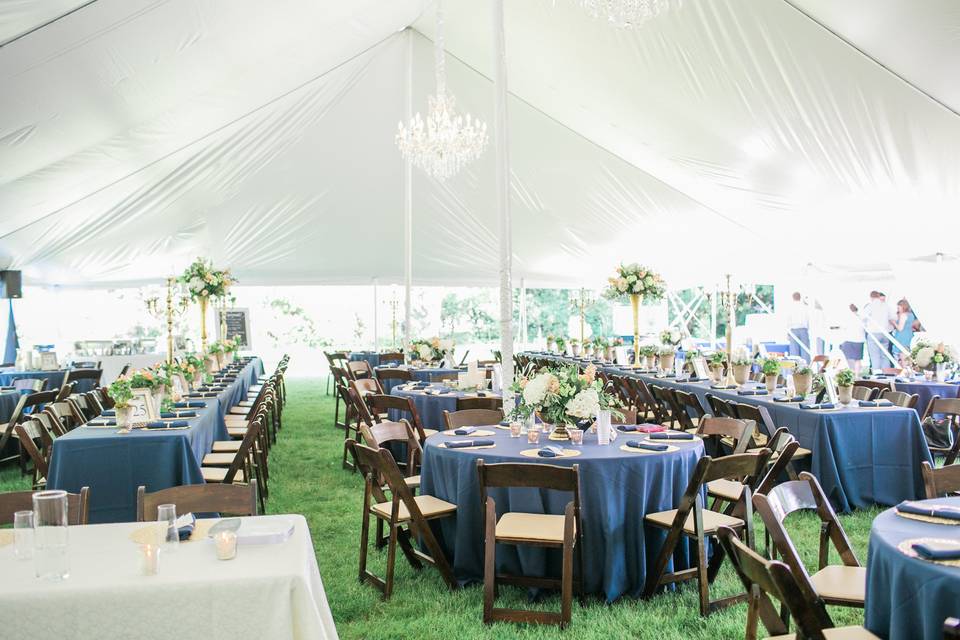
{"type": "Point", "coordinates": [627, 13]}
{"type": "Point", "coordinates": [443, 142]}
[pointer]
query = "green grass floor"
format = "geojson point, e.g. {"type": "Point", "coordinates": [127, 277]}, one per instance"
{"type": "Point", "coordinates": [306, 478]}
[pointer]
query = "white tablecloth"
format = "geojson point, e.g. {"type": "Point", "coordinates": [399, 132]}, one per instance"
{"type": "Point", "coordinates": [267, 592]}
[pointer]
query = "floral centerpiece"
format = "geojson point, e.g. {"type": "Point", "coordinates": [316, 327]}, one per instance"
{"type": "Point", "coordinates": [716, 363]}
{"type": "Point", "coordinates": [671, 337]}
{"type": "Point", "coordinates": [574, 347]}
{"type": "Point", "coordinates": [148, 379]}
{"type": "Point", "coordinates": [649, 353]}
{"type": "Point", "coordinates": [551, 342]}
{"type": "Point", "coordinates": [803, 380]}
{"type": "Point", "coordinates": [771, 373]}
{"type": "Point", "coordinates": [741, 363]}
{"type": "Point", "coordinates": [844, 380]}
{"type": "Point", "coordinates": [121, 393]}
{"type": "Point", "coordinates": [562, 396]}
{"type": "Point", "coordinates": [194, 370]}
{"type": "Point", "coordinates": [432, 350]}
{"type": "Point", "coordinates": [931, 355]}
{"type": "Point", "coordinates": [561, 345]}
{"type": "Point", "coordinates": [203, 282]}
{"type": "Point", "coordinates": [636, 283]}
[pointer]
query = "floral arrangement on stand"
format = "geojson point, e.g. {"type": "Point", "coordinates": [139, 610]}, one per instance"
{"type": "Point", "coordinates": [931, 355]}
{"type": "Point", "coordinates": [635, 279]}
{"type": "Point", "coordinates": [431, 350]}
{"type": "Point", "coordinates": [671, 337]}
{"type": "Point", "coordinates": [563, 397]}
{"type": "Point", "coordinates": [203, 281]}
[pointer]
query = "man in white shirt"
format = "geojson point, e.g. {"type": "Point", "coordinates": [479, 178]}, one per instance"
{"type": "Point", "coordinates": [878, 318]}
{"type": "Point", "coordinates": [798, 323]}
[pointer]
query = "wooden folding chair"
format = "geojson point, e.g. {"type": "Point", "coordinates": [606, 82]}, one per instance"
{"type": "Point", "coordinates": [241, 467]}
{"type": "Point", "coordinates": [944, 481]}
{"type": "Point", "coordinates": [842, 585]}
{"type": "Point", "coordinates": [901, 398]}
{"type": "Point", "coordinates": [394, 375]}
{"type": "Point", "coordinates": [493, 404]}
{"type": "Point", "coordinates": [690, 411]}
{"type": "Point", "coordinates": [691, 520]}
{"type": "Point", "coordinates": [406, 515]}
{"type": "Point", "coordinates": [77, 505]}
{"type": "Point", "coordinates": [766, 427]}
{"type": "Point", "coordinates": [950, 409]}
{"type": "Point", "coordinates": [719, 407]}
{"type": "Point", "coordinates": [764, 579]}
{"type": "Point", "coordinates": [531, 529]}
{"type": "Point", "coordinates": [28, 434]}
{"type": "Point", "coordinates": [358, 369]}
{"type": "Point", "coordinates": [232, 499]}
{"type": "Point", "coordinates": [666, 404]}
{"type": "Point", "coordinates": [382, 404]}
{"type": "Point", "coordinates": [472, 418]}
{"type": "Point", "coordinates": [861, 391]}
{"type": "Point", "coordinates": [392, 357]}
{"type": "Point", "coordinates": [75, 375]}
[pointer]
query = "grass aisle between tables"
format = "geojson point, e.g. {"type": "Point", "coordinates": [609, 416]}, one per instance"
{"type": "Point", "coordinates": [306, 477]}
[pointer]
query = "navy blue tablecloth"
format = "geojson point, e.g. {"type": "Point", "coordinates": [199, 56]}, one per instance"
{"type": "Point", "coordinates": [54, 379]}
{"type": "Point", "coordinates": [926, 390]}
{"type": "Point", "coordinates": [909, 597]}
{"type": "Point", "coordinates": [429, 407]}
{"type": "Point", "coordinates": [8, 402]}
{"type": "Point", "coordinates": [617, 489]}
{"type": "Point", "coordinates": [420, 374]}
{"type": "Point", "coordinates": [113, 465]}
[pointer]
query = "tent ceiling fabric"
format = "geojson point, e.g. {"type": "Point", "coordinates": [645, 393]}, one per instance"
{"type": "Point", "coordinates": [137, 134]}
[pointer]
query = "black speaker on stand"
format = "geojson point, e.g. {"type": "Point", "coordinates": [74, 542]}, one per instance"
{"type": "Point", "coordinates": [10, 284]}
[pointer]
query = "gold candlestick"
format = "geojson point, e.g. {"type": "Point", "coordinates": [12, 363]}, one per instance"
{"type": "Point", "coordinates": [585, 302]}
{"type": "Point", "coordinates": [169, 313]}
{"type": "Point", "coordinates": [635, 300]}
{"type": "Point", "coordinates": [730, 301]}
{"type": "Point", "coordinates": [203, 324]}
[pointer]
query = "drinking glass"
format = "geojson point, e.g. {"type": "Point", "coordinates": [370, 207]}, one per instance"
{"type": "Point", "coordinates": [169, 534]}
{"type": "Point", "coordinates": [23, 535]}
{"type": "Point", "coordinates": [533, 436]}
{"type": "Point", "coordinates": [576, 436]}
{"type": "Point", "coordinates": [515, 429]}
{"type": "Point", "coordinates": [50, 535]}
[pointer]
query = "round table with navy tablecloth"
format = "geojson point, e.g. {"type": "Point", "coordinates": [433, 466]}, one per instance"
{"type": "Point", "coordinates": [431, 405]}
{"type": "Point", "coordinates": [926, 390]}
{"type": "Point", "coordinates": [420, 374]}
{"type": "Point", "coordinates": [909, 597]}
{"type": "Point", "coordinates": [617, 489]}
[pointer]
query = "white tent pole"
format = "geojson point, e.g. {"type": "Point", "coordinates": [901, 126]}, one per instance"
{"type": "Point", "coordinates": [501, 146]}
{"type": "Point", "coordinates": [408, 202]}
{"type": "Point", "coordinates": [524, 338]}
{"type": "Point", "coordinates": [376, 323]}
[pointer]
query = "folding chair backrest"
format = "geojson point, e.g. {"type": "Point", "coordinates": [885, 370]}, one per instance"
{"type": "Point", "coordinates": [901, 398]}
{"type": "Point", "coordinates": [758, 414]}
{"type": "Point", "coordinates": [26, 435]}
{"type": "Point", "coordinates": [391, 373]}
{"type": "Point", "coordinates": [233, 499]}
{"type": "Point", "coordinates": [29, 384]}
{"type": "Point", "coordinates": [472, 418]}
{"type": "Point", "coordinates": [359, 369]}
{"type": "Point", "coordinates": [940, 482]}
{"type": "Point", "coordinates": [720, 407]}
{"type": "Point", "coordinates": [740, 431]}
{"type": "Point", "coordinates": [379, 467]}
{"type": "Point", "coordinates": [391, 357]}
{"type": "Point", "coordinates": [366, 386]}
{"type": "Point", "coordinates": [495, 404]}
{"type": "Point", "coordinates": [84, 374]}
{"type": "Point", "coordinates": [11, 502]}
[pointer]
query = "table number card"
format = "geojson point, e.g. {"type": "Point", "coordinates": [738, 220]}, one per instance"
{"type": "Point", "coordinates": [830, 386]}
{"type": "Point", "coordinates": [143, 407]}
{"type": "Point", "coordinates": [700, 367]}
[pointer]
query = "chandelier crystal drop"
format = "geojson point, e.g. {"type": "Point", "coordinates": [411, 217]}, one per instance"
{"type": "Point", "coordinates": [443, 142]}
{"type": "Point", "coordinates": [627, 13]}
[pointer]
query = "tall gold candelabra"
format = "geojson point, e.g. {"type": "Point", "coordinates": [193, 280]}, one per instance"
{"type": "Point", "coordinates": [584, 302]}
{"type": "Point", "coordinates": [170, 311]}
{"type": "Point", "coordinates": [729, 300]}
{"type": "Point", "coordinates": [394, 303]}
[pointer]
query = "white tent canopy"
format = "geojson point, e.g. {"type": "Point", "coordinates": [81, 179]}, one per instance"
{"type": "Point", "coordinates": [138, 134]}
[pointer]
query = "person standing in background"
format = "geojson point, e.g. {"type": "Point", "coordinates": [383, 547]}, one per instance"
{"type": "Point", "coordinates": [798, 325]}
{"type": "Point", "coordinates": [903, 329]}
{"type": "Point", "coordinates": [877, 319]}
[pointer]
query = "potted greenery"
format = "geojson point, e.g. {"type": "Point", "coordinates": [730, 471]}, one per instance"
{"type": "Point", "coordinates": [803, 380]}
{"type": "Point", "coordinates": [771, 372]}
{"type": "Point", "coordinates": [574, 347]}
{"type": "Point", "coordinates": [667, 355]}
{"type": "Point", "coordinates": [716, 363]}
{"type": "Point", "coordinates": [561, 345]}
{"type": "Point", "coordinates": [844, 382]}
{"type": "Point", "coordinates": [741, 368]}
{"type": "Point", "coordinates": [587, 347]}
{"type": "Point", "coordinates": [551, 342]}
{"type": "Point", "coordinates": [121, 393]}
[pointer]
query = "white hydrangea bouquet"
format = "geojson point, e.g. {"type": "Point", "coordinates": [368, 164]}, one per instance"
{"type": "Point", "coordinates": [562, 395]}
{"type": "Point", "coordinates": [635, 279]}
{"type": "Point", "coordinates": [431, 350]}
{"type": "Point", "coordinates": [927, 352]}
{"type": "Point", "coordinates": [671, 337]}
{"type": "Point", "coordinates": [204, 282]}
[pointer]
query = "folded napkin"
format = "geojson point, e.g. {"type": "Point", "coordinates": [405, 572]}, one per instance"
{"type": "Point", "coordinates": [108, 412]}
{"type": "Point", "coordinates": [178, 414]}
{"type": "Point", "coordinates": [789, 399]}
{"type": "Point", "coordinates": [627, 428]}
{"type": "Point", "coordinates": [876, 403]}
{"type": "Point", "coordinates": [928, 509]}
{"type": "Point", "coordinates": [464, 431]}
{"type": "Point", "coordinates": [680, 435]}
{"type": "Point", "coordinates": [504, 423]}
{"type": "Point", "coordinates": [103, 423]}
{"type": "Point", "coordinates": [934, 551]}
{"type": "Point", "coordinates": [187, 405]}
{"type": "Point", "coordinates": [649, 446]}
{"type": "Point", "coordinates": [201, 395]}
{"type": "Point", "coordinates": [550, 452]}
{"type": "Point", "coordinates": [185, 525]}
{"type": "Point", "coordinates": [651, 428]}
{"type": "Point", "coordinates": [722, 386]}
{"type": "Point", "coordinates": [459, 444]}
{"type": "Point", "coordinates": [752, 392]}
{"type": "Point", "coordinates": [822, 405]}
{"type": "Point", "coordinates": [160, 424]}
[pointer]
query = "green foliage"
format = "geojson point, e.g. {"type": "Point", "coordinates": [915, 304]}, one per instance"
{"type": "Point", "coordinates": [844, 378]}
{"type": "Point", "coordinates": [803, 370]}
{"type": "Point", "coordinates": [700, 325]}
{"type": "Point", "coordinates": [770, 367]}
{"type": "Point", "coordinates": [549, 312]}
{"type": "Point", "coordinates": [120, 391]}
{"type": "Point", "coordinates": [291, 324]}
{"type": "Point", "coordinates": [718, 357]}
{"type": "Point", "coordinates": [143, 379]}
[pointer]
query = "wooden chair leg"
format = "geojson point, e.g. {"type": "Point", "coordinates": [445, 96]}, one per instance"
{"type": "Point", "coordinates": [703, 582]}
{"type": "Point", "coordinates": [391, 561]}
{"type": "Point", "coordinates": [566, 585]}
{"type": "Point", "coordinates": [364, 533]}
{"type": "Point", "coordinates": [489, 562]}
{"type": "Point", "coordinates": [663, 559]}
{"type": "Point", "coordinates": [380, 541]}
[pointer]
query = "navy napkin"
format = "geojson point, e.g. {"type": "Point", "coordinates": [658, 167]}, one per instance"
{"type": "Point", "coordinates": [504, 423]}
{"type": "Point", "coordinates": [822, 405]}
{"type": "Point", "coordinates": [459, 444]}
{"type": "Point", "coordinates": [932, 551]}
{"type": "Point", "coordinates": [104, 423]}
{"type": "Point", "coordinates": [722, 386]}
{"type": "Point", "coordinates": [876, 403]}
{"type": "Point", "coordinates": [789, 399]}
{"type": "Point", "coordinates": [680, 435]}
{"type": "Point", "coordinates": [186, 530]}
{"type": "Point", "coordinates": [752, 392]}
{"type": "Point", "coordinates": [649, 446]}
{"type": "Point", "coordinates": [550, 452]}
{"type": "Point", "coordinates": [933, 510]}
{"type": "Point", "coordinates": [627, 428]}
{"type": "Point", "coordinates": [201, 395]}
{"type": "Point", "coordinates": [464, 431]}
{"type": "Point", "coordinates": [178, 414]}
{"type": "Point", "coordinates": [160, 424]}
{"type": "Point", "coordinates": [185, 405]}
{"type": "Point", "coordinates": [108, 412]}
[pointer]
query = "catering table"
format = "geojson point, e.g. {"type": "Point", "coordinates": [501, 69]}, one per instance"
{"type": "Point", "coordinates": [617, 488]}
{"type": "Point", "coordinates": [268, 591]}
{"type": "Point", "coordinates": [54, 378]}
{"type": "Point", "coordinates": [113, 465]}
{"type": "Point", "coordinates": [861, 456]}
{"type": "Point", "coordinates": [430, 407]}
{"type": "Point", "coordinates": [908, 597]}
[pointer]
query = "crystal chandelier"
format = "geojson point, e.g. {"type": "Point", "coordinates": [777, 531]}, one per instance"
{"type": "Point", "coordinates": [627, 13]}
{"type": "Point", "coordinates": [443, 142]}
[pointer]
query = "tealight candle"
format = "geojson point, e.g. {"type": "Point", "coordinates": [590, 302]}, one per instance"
{"type": "Point", "coordinates": [226, 543]}
{"type": "Point", "coordinates": [149, 559]}
{"type": "Point", "coordinates": [533, 436]}
{"type": "Point", "coordinates": [515, 429]}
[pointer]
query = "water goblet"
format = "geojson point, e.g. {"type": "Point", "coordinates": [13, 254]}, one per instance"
{"type": "Point", "coordinates": [167, 524]}
{"type": "Point", "coordinates": [23, 535]}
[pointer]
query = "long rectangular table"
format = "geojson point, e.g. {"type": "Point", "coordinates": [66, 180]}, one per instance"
{"type": "Point", "coordinates": [54, 378]}
{"type": "Point", "coordinates": [113, 465]}
{"type": "Point", "coordinates": [268, 591]}
{"type": "Point", "coordinates": [861, 456]}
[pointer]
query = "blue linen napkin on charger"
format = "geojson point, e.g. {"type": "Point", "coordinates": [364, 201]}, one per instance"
{"type": "Point", "coordinates": [934, 551]}
{"type": "Point", "coordinates": [464, 431]}
{"type": "Point", "coordinates": [178, 414]}
{"type": "Point", "coordinates": [680, 435]}
{"type": "Point", "coordinates": [189, 405]}
{"type": "Point", "coordinates": [822, 405]}
{"type": "Point", "coordinates": [875, 403]}
{"type": "Point", "coordinates": [649, 446]}
{"type": "Point", "coordinates": [109, 412]}
{"type": "Point", "coordinates": [789, 399]}
{"type": "Point", "coordinates": [932, 510]}
{"type": "Point", "coordinates": [627, 428]}
{"type": "Point", "coordinates": [103, 423]}
{"type": "Point", "coordinates": [550, 452]}
{"type": "Point", "coordinates": [459, 444]}
{"type": "Point", "coordinates": [752, 392]}
{"type": "Point", "coordinates": [504, 423]}
{"type": "Point", "coordinates": [160, 424]}
{"type": "Point", "coordinates": [185, 526]}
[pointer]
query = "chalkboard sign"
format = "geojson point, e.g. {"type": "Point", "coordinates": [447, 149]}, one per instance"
{"type": "Point", "coordinates": [238, 325]}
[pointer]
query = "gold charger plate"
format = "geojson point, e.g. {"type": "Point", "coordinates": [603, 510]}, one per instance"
{"type": "Point", "coordinates": [485, 446]}
{"type": "Point", "coordinates": [567, 453]}
{"type": "Point", "coordinates": [931, 519]}
{"type": "Point", "coordinates": [149, 534]}
{"type": "Point", "coordinates": [906, 548]}
{"type": "Point", "coordinates": [670, 449]}
{"type": "Point", "coordinates": [478, 433]}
